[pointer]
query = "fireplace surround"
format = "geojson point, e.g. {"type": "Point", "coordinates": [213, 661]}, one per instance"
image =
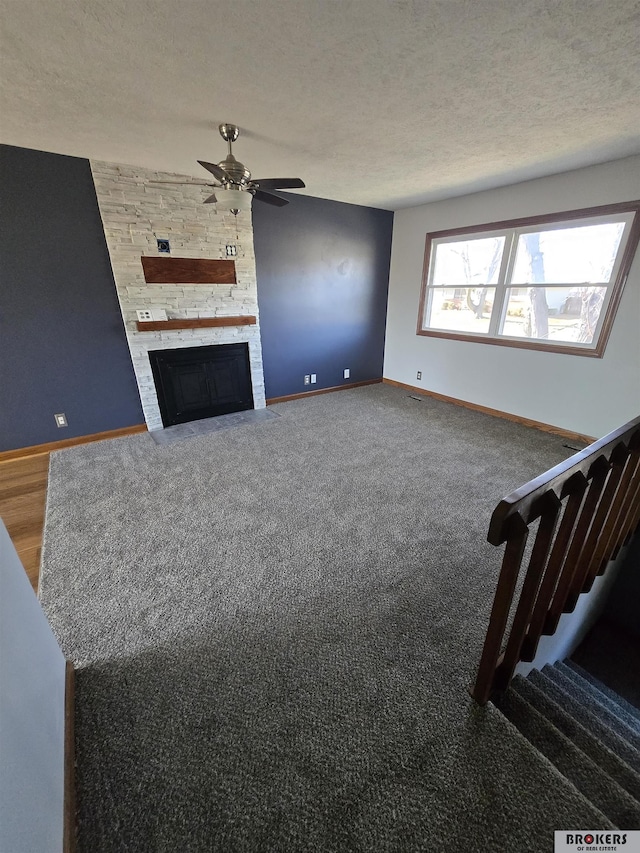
{"type": "Point", "coordinates": [135, 211]}
{"type": "Point", "coordinates": [201, 382]}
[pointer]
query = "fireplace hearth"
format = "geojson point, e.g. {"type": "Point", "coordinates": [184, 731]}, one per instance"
{"type": "Point", "coordinates": [201, 382]}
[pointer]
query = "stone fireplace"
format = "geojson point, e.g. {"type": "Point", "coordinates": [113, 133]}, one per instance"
{"type": "Point", "coordinates": [136, 213]}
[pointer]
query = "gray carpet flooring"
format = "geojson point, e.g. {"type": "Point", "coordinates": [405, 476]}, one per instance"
{"type": "Point", "coordinates": [275, 627]}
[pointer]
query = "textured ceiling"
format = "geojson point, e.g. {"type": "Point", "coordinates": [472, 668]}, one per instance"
{"type": "Point", "coordinates": [387, 103]}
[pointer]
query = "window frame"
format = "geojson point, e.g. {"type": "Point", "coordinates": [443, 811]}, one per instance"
{"type": "Point", "coordinates": [528, 224]}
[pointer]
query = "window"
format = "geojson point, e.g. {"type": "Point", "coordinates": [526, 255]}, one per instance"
{"type": "Point", "coordinates": [547, 282]}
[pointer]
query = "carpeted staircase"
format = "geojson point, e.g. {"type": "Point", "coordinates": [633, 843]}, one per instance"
{"type": "Point", "coordinates": [588, 732]}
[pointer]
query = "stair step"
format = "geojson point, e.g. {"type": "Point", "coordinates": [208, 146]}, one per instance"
{"type": "Point", "coordinates": [585, 697]}
{"type": "Point", "coordinates": [590, 779]}
{"type": "Point", "coordinates": [613, 705]}
{"type": "Point", "coordinates": [578, 734]}
{"type": "Point", "coordinates": [622, 748]}
{"type": "Point", "coordinates": [628, 707]}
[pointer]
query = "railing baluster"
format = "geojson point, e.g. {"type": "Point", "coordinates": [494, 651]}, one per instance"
{"type": "Point", "coordinates": [500, 610]}
{"type": "Point", "coordinates": [630, 521]}
{"type": "Point", "coordinates": [575, 487]}
{"type": "Point", "coordinates": [548, 518]}
{"type": "Point", "coordinates": [602, 487]}
{"type": "Point", "coordinates": [602, 551]}
{"type": "Point", "coordinates": [617, 460]}
{"type": "Point", "coordinates": [598, 475]}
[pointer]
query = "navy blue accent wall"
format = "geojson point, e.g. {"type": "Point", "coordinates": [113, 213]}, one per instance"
{"type": "Point", "coordinates": [323, 276]}
{"type": "Point", "coordinates": [62, 339]}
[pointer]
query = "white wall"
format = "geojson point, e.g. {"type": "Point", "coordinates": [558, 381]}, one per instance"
{"type": "Point", "coordinates": [32, 688]}
{"type": "Point", "coordinates": [586, 395]}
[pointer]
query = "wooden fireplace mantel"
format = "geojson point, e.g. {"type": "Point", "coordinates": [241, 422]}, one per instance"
{"type": "Point", "coordinates": [188, 270]}
{"type": "Point", "coordinates": [195, 323]}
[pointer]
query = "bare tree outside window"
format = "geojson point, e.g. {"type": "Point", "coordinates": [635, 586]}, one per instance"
{"type": "Point", "coordinates": [476, 296]}
{"type": "Point", "coordinates": [592, 299]}
{"type": "Point", "coordinates": [536, 316]}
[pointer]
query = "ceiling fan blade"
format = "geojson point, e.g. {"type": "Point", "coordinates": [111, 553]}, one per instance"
{"type": "Point", "coordinates": [270, 198]}
{"type": "Point", "coordinates": [216, 170]}
{"type": "Point", "coordinates": [278, 183]}
{"type": "Point", "coordinates": [185, 183]}
{"type": "Point", "coordinates": [211, 199]}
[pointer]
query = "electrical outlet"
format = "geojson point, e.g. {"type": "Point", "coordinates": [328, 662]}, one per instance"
{"type": "Point", "coordinates": [419, 375]}
{"type": "Point", "coordinates": [144, 316]}
{"type": "Point", "coordinates": [307, 379]}
{"type": "Point", "coordinates": [313, 379]}
{"type": "Point", "coordinates": [347, 373]}
{"type": "Point", "coordinates": [61, 420]}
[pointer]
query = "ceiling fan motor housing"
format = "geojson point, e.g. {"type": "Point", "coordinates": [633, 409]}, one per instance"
{"type": "Point", "coordinates": [235, 169]}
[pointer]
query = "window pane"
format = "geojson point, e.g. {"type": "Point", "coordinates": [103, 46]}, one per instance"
{"type": "Point", "coordinates": [582, 255]}
{"type": "Point", "coordinates": [461, 309]}
{"type": "Point", "coordinates": [554, 314]}
{"type": "Point", "coordinates": [470, 262]}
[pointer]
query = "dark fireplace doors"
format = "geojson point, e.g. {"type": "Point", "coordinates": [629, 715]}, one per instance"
{"type": "Point", "coordinates": [201, 382]}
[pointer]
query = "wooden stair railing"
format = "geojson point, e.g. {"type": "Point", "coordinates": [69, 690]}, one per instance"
{"type": "Point", "coordinates": [587, 509]}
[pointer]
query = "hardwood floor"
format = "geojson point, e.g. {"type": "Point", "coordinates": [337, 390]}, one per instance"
{"type": "Point", "coordinates": [23, 491]}
{"type": "Point", "coordinates": [24, 474]}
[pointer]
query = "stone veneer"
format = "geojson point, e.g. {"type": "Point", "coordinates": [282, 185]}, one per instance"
{"type": "Point", "coordinates": [135, 212]}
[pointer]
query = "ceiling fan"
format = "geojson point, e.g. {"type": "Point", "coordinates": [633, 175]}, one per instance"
{"type": "Point", "coordinates": [236, 188]}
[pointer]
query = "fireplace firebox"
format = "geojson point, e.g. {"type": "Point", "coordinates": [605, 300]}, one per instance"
{"type": "Point", "coordinates": [201, 382]}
